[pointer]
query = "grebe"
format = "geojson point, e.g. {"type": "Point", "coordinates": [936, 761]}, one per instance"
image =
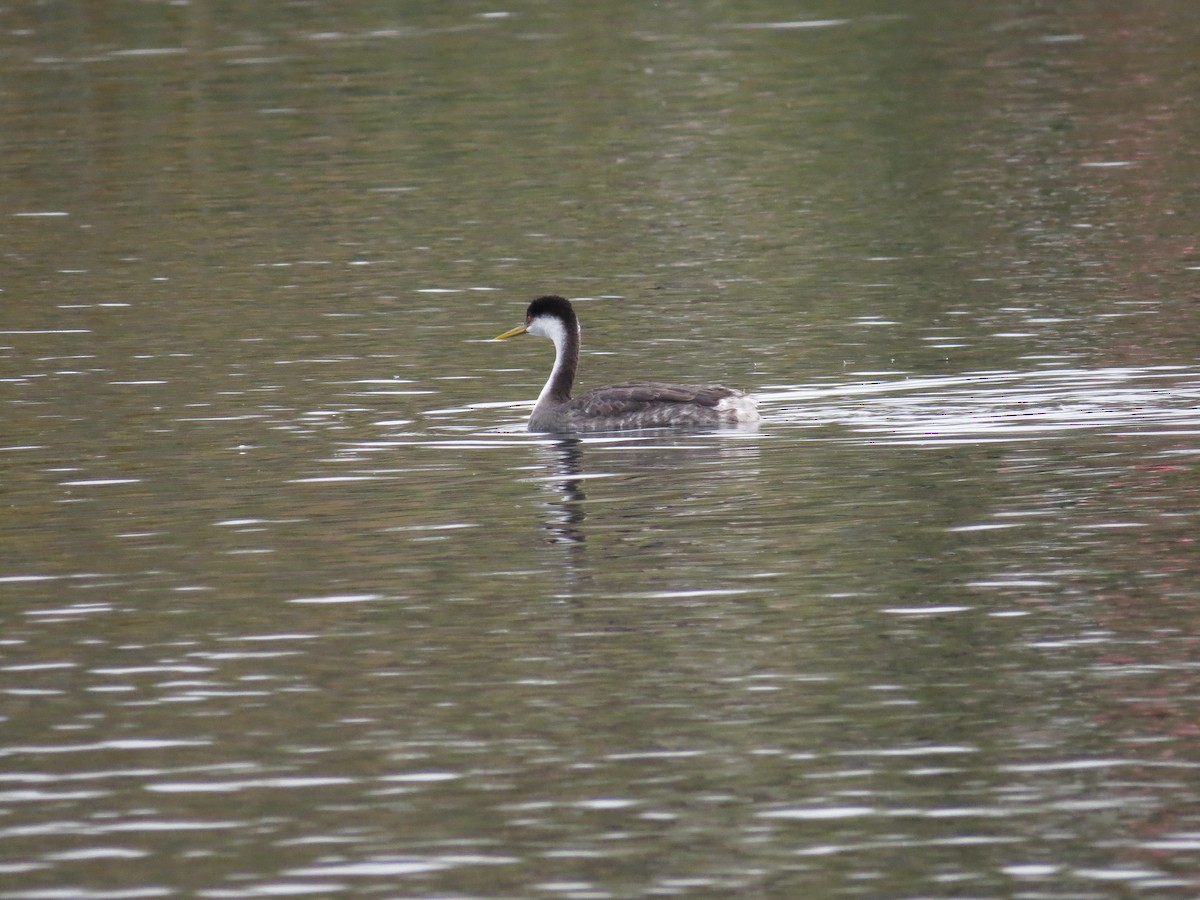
{"type": "Point", "coordinates": [634, 404]}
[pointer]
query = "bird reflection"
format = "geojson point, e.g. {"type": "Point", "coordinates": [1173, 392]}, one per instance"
{"type": "Point", "coordinates": [564, 523]}
{"type": "Point", "coordinates": [647, 477]}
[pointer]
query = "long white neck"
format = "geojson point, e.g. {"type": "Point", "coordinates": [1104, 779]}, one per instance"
{"type": "Point", "coordinates": [566, 359]}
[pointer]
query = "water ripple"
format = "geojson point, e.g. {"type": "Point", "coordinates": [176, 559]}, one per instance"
{"type": "Point", "coordinates": [998, 406]}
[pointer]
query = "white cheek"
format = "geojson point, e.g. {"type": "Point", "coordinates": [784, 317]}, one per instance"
{"type": "Point", "coordinates": [547, 327]}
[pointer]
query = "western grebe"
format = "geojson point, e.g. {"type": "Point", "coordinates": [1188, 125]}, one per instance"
{"type": "Point", "coordinates": [634, 404]}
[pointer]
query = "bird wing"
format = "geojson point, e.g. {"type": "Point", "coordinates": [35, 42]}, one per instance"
{"type": "Point", "coordinates": [635, 396]}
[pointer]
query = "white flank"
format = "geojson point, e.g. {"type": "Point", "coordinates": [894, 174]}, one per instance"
{"type": "Point", "coordinates": [743, 407]}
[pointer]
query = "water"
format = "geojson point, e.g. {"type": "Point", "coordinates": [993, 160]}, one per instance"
{"type": "Point", "coordinates": [290, 604]}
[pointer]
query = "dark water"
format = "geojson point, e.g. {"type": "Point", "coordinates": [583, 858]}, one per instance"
{"type": "Point", "coordinates": [290, 605]}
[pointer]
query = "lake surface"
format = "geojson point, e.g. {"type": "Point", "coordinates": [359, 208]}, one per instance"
{"type": "Point", "coordinates": [291, 605]}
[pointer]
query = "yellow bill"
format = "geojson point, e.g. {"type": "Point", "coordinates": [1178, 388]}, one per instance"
{"type": "Point", "coordinates": [512, 332]}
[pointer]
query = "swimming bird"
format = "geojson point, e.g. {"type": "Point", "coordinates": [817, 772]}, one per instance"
{"type": "Point", "coordinates": [618, 407]}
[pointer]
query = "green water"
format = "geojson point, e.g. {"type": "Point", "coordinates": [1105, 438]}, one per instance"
{"type": "Point", "coordinates": [290, 605]}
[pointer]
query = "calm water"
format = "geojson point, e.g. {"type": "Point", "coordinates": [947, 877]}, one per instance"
{"type": "Point", "coordinates": [290, 605]}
